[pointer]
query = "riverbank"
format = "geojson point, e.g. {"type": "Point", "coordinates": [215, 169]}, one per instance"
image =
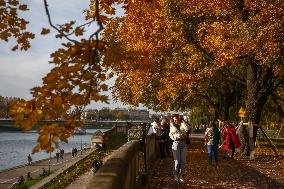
{"type": "Point", "coordinates": [14, 128]}
{"type": "Point", "coordinates": [9, 128]}
{"type": "Point", "coordinates": [10, 176]}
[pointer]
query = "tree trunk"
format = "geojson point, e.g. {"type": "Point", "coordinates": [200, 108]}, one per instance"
{"type": "Point", "coordinates": [258, 89]}
{"type": "Point", "coordinates": [230, 97]}
{"type": "Point", "coordinates": [226, 110]}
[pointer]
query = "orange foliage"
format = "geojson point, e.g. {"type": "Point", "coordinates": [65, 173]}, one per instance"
{"type": "Point", "coordinates": [167, 48]}
{"type": "Point", "coordinates": [164, 53]}
{"type": "Point", "coordinates": [12, 26]}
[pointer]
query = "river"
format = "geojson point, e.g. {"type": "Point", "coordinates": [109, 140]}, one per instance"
{"type": "Point", "coordinates": [15, 146]}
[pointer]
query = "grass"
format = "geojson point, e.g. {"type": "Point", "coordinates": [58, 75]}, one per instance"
{"type": "Point", "coordinates": [271, 133]}
{"type": "Point", "coordinates": [278, 144]}
{"type": "Point", "coordinates": [28, 183]}
{"type": "Point", "coordinates": [116, 141]}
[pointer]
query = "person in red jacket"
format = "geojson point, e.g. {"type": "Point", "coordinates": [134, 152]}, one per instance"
{"type": "Point", "coordinates": [231, 139]}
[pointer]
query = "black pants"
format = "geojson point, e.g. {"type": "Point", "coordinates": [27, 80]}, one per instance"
{"type": "Point", "coordinates": [233, 151]}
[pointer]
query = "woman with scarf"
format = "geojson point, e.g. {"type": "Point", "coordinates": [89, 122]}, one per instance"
{"type": "Point", "coordinates": [179, 134]}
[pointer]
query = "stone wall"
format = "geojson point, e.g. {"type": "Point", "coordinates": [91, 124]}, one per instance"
{"type": "Point", "coordinates": [129, 166]}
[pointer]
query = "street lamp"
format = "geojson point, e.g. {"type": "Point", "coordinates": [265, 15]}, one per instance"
{"type": "Point", "coordinates": [81, 144]}
{"type": "Point", "coordinates": [241, 113]}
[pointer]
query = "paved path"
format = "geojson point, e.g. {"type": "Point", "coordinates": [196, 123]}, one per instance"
{"type": "Point", "coordinates": [10, 176]}
{"type": "Point", "coordinates": [241, 173]}
{"type": "Point", "coordinates": [82, 181]}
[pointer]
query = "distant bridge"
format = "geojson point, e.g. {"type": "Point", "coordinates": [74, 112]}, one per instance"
{"type": "Point", "coordinates": [8, 124]}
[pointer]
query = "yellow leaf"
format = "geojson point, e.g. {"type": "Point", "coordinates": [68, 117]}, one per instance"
{"type": "Point", "coordinates": [45, 31]}
{"type": "Point", "coordinates": [104, 87]}
{"type": "Point", "coordinates": [15, 47]}
{"type": "Point", "coordinates": [79, 31]}
{"type": "Point", "coordinates": [23, 7]}
{"type": "Point", "coordinates": [57, 100]}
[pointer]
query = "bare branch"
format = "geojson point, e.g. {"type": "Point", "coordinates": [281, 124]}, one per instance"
{"type": "Point", "coordinates": [87, 23]}
{"type": "Point", "coordinates": [53, 26]}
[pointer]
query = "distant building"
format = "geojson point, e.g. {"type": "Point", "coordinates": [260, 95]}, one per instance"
{"type": "Point", "coordinates": [135, 114]}
{"type": "Point", "coordinates": [122, 110]}
{"type": "Point", "coordinates": [111, 114]}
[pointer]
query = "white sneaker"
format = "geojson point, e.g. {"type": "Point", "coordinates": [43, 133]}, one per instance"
{"type": "Point", "coordinates": [175, 178]}
{"type": "Point", "coordinates": [181, 179]}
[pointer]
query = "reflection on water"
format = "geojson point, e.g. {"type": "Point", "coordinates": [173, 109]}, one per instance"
{"type": "Point", "coordinates": [15, 146]}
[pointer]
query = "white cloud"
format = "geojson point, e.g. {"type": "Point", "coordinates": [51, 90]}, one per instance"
{"type": "Point", "coordinates": [21, 71]}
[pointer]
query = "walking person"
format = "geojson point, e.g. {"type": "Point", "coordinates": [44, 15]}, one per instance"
{"type": "Point", "coordinates": [73, 152]}
{"type": "Point", "coordinates": [57, 154]}
{"type": "Point", "coordinates": [30, 159]}
{"type": "Point", "coordinates": [231, 139]}
{"type": "Point", "coordinates": [165, 135]}
{"type": "Point", "coordinates": [159, 136]}
{"type": "Point", "coordinates": [61, 153]}
{"type": "Point", "coordinates": [212, 139]}
{"type": "Point", "coordinates": [179, 133]}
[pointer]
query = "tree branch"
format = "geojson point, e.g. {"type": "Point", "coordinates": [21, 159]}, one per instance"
{"type": "Point", "coordinates": [53, 26]}
{"type": "Point", "coordinates": [236, 77]}
{"type": "Point", "coordinates": [277, 97]}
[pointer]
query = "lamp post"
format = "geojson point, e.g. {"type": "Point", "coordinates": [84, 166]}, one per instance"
{"type": "Point", "coordinates": [49, 161]}
{"type": "Point", "coordinates": [81, 144]}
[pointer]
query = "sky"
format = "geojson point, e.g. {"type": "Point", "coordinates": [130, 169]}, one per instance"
{"type": "Point", "coordinates": [22, 70]}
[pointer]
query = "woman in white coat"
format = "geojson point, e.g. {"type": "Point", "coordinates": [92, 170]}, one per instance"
{"type": "Point", "coordinates": [179, 134]}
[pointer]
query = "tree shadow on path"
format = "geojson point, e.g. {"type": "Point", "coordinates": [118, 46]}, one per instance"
{"type": "Point", "coordinates": [199, 174]}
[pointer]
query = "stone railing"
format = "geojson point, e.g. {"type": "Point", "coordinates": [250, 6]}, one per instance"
{"type": "Point", "coordinates": [129, 166]}
{"type": "Point", "coordinates": [102, 137]}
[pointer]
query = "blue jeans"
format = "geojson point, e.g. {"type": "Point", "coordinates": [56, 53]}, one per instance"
{"type": "Point", "coordinates": [179, 153]}
{"type": "Point", "coordinates": [212, 149]}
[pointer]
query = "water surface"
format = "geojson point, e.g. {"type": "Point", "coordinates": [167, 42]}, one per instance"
{"type": "Point", "coordinates": [15, 146]}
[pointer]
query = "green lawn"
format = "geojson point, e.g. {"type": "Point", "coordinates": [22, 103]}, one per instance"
{"type": "Point", "coordinates": [28, 183]}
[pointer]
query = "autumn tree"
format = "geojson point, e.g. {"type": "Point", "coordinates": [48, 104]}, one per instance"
{"type": "Point", "coordinates": [273, 112]}
{"type": "Point", "coordinates": [167, 46]}
{"type": "Point", "coordinates": [91, 114]}
{"type": "Point", "coordinates": [164, 53]}
{"type": "Point", "coordinates": [5, 103]}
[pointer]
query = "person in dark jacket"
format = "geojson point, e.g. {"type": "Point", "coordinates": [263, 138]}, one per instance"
{"type": "Point", "coordinates": [212, 139]}
{"type": "Point", "coordinates": [96, 164]}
